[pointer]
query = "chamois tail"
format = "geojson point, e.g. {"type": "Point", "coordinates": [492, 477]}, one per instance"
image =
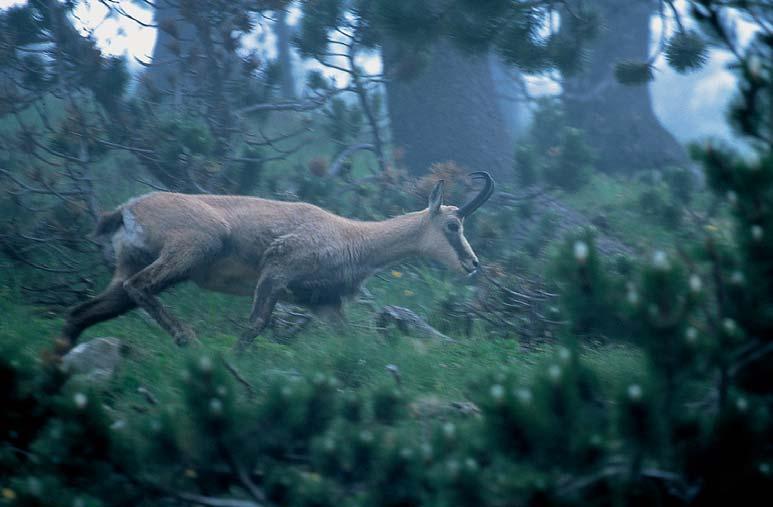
{"type": "Point", "coordinates": [109, 222]}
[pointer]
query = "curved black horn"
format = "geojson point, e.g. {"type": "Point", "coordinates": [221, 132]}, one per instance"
{"type": "Point", "coordinates": [483, 195]}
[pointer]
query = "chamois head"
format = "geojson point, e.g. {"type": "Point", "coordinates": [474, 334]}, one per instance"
{"type": "Point", "coordinates": [444, 238]}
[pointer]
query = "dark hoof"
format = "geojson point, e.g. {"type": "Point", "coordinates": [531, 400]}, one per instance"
{"type": "Point", "coordinates": [186, 341]}
{"type": "Point", "coordinates": [62, 346]}
{"type": "Point", "coordinates": [186, 337]}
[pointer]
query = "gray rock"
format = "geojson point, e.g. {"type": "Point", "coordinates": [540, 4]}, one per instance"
{"type": "Point", "coordinates": [96, 359]}
{"type": "Point", "coordinates": [407, 322]}
{"type": "Point", "coordinates": [432, 407]}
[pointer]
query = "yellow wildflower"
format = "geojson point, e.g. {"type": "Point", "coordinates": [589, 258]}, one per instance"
{"type": "Point", "coordinates": [397, 274]}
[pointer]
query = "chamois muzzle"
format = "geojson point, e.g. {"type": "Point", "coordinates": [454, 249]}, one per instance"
{"type": "Point", "coordinates": [483, 195]}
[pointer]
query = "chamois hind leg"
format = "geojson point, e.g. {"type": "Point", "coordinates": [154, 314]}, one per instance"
{"type": "Point", "coordinates": [332, 313]}
{"type": "Point", "coordinates": [172, 266]}
{"type": "Point", "coordinates": [110, 303]}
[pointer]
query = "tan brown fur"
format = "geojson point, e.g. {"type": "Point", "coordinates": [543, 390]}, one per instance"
{"type": "Point", "coordinates": [271, 250]}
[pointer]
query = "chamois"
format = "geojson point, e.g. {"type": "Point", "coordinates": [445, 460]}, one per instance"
{"type": "Point", "coordinates": [271, 250]}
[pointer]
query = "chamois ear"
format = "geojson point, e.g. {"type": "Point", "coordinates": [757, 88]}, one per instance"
{"type": "Point", "coordinates": [436, 198]}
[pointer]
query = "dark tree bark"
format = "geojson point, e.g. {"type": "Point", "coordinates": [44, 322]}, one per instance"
{"type": "Point", "coordinates": [449, 111]}
{"type": "Point", "coordinates": [618, 120]}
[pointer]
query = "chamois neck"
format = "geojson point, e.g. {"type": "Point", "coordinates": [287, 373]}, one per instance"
{"type": "Point", "coordinates": [392, 240]}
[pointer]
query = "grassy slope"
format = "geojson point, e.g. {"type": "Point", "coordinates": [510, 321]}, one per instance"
{"type": "Point", "coordinates": [358, 355]}
{"type": "Point", "coordinates": [357, 358]}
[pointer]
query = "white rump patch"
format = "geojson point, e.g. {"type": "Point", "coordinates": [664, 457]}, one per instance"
{"type": "Point", "coordinates": [133, 233]}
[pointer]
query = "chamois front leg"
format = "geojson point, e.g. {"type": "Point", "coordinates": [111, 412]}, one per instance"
{"type": "Point", "coordinates": [266, 296]}
{"type": "Point", "coordinates": [332, 314]}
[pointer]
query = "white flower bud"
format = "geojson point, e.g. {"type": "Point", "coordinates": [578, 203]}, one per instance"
{"type": "Point", "coordinates": [221, 390]}
{"type": "Point", "coordinates": [757, 232]}
{"type": "Point", "coordinates": [449, 430]}
{"type": "Point", "coordinates": [205, 364]}
{"type": "Point", "coordinates": [564, 354]}
{"type": "Point", "coordinates": [215, 406]}
{"type": "Point", "coordinates": [632, 297]}
{"type": "Point", "coordinates": [471, 464]}
{"type": "Point", "coordinates": [524, 395]}
{"type": "Point", "coordinates": [729, 326]}
{"type": "Point", "coordinates": [696, 285]}
{"type": "Point", "coordinates": [554, 372]}
{"type": "Point", "coordinates": [366, 436]}
{"type": "Point", "coordinates": [635, 392]}
{"type": "Point", "coordinates": [581, 251]}
{"type": "Point", "coordinates": [732, 197]}
{"type": "Point", "coordinates": [737, 278]}
{"type": "Point", "coordinates": [691, 335]}
{"type": "Point", "coordinates": [118, 425]}
{"type": "Point", "coordinates": [764, 468]}
{"type": "Point", "coordinates": [660, 261]}
{"type": "Point", "coordinates": [741, 404]}
{"type": "Point", "coordinates": [497, 392]}
{"type": "Point", "coordinates": [80, 400]}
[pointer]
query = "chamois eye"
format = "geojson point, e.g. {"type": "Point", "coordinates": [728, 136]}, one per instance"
{"type": "Point", "coordinates": [453, 226]}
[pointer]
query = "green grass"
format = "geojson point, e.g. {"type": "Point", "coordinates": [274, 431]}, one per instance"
{"type": "Point", "coordinates": [356, 356]}
{"type": "Point", "coordinates": [618, 200]}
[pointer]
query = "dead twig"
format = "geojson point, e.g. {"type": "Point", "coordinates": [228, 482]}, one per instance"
{"type": "Point", "coordinates": [239, 378]}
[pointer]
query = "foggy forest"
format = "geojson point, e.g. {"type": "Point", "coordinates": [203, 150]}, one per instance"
{"type": "Point", "coordinates": [260, 253]}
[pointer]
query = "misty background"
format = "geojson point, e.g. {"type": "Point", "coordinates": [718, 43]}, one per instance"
{"type": "Point", "coordinates": [691, 106]}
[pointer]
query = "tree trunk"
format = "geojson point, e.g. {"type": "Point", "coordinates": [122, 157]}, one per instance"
{"type": "Point", "coordinates": [175, 46]}
{"type": "Point", "coordinates": [508, 84]}
{"type": "Point", "coordinates": [448, 112]}
{"type": "Point", "coordinates": [618, 120]}
{"type": "Point", "coordinates": [284, 54]}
